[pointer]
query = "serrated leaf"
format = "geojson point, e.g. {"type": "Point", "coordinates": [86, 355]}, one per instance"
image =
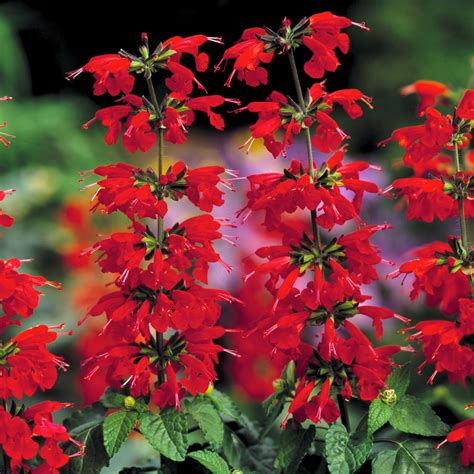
{"type": "Point", "coordinates": [117, 427]}
{"type": "Point", "coordinates": [418, 456]}
{"type": "Point", "coordinates": [211, 461]}
{"type": "Point", "coordinates": [294, 444]}
{"type": "Point", "coordinates": [412, 415]}
{"type": "Point", "coordinates": [204, 413]}
{"type": "Point", "coordinates": [335, 444]}
{"type": "Point", "coordinates": [344, 453]}
{"type": "Point", "coordinates": [225, 405]}
{"type": "Point", "coordinates": [359, 446]}
{"type": "Point", "coordinates": [379, 414]}
{"type": "Point", "coordinates": [399, 380]}
{"type": "Point", "coordinates": [95, 456]}
{"type": "Point", "coordinates": [166, 432]}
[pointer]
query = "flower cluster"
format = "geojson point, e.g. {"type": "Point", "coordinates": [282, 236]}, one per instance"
{"type": "Point", "coordinates": [29, 438]}
{"type": "Point", "coordinates": [315, 281]}
{"type": "Point", "coordinates": [442, 271]}
{"type": "Point", "coordinates": [159, 339]}
{"type": "Point", "coordinates": [135, 119]}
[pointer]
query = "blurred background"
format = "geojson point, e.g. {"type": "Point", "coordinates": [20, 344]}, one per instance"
{"type": "Point", "coordinates": [39, 44]}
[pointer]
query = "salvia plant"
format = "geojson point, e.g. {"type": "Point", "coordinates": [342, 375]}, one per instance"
{"type": "Point", "coordinates": [342, 401]}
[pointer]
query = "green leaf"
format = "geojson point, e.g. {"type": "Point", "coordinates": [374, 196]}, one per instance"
{"type": "Point", "coordinates": [117, 427]}
{"type": "Point", "coordinates": [211, 461]}
{"type": "Point", "coordinates": [204, 413]}
{"type": "Point", "coordinates": [294, 444]}
{"type": "Point", "coordinates": [346, 453]}
{"type": "Point", "coordinates": [411, 415]}
{"type": "Point", "coordinates": [335, 445]}
{"type": "Point", "coordinates": [166, 432]}
{"type": "Point", "coordinates": [399, 380]}
{"type": "Point", "coordinates": [360, 445]}
{"type": "Point", "coordinates": [418, 456]}
{"type": "Point", "coordinates": [379, 414]}
{"type": "Point", "coordinates": [225, 405]}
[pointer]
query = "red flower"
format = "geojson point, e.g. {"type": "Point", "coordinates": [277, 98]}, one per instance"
{"type": "Point", "coordinates": [128, 190]}
{"type": "Point", "coordinates": [438, 272]}
{"type": "Point", "coordinates": [138, 132]}
{"type": "Point", "coordinates": [464, 432]}
{"type": "Point", "coordinates": [179, 113]}
{"type": "Point", "coordinates": [110, 73]}
{"type": "Point", "coordinates": [27, 363]}
{"type": "Point", "coordinates": [428, 92]}
{"type": "Point", "coordinates": [465, 109]}
{"type": "Point", "coordinates": [18, 295]}
{"type": "Point", "coordinates": [428, 199]}
{"type": "Point", "coordinates": [286, 192]}
{"type": "Point", "coordinates": [446, 344]}
{"type": "Point", "coordinates": [5, 219]}
{"type": "Point", "coordinates": [248, 53]}
{"type": "Point", "coordinates": [423, 142]}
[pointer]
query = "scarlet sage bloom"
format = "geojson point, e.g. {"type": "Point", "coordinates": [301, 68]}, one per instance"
{"type": "Point", "coordinates": [441, 272]}
{"type": "Point", "coordinates": [341, 366]}
{"type": "Point", "coordinates": [282, 113]}
{"type": "Point", "coordinates": [428, 199]}
{"type": "Point", "coordinates": [348, 261]}
{"type": "Point", "coordinates": [463, 432]}
{"type": "Point", "coordinates": [423, 142]}
{"type": "Point", "coordinates": [26, 363]}
{"type": "Point", "coordinates": [110, 72]}
{"type": "Point", "coordinates": [131, 117]}
{"type": "Point", "coordinates": [447, 344]}
{"type": "Point", "coordinates": [179, 114]}
{"type": "Point", "coordinates": [18, 293]}
{"type": "Point", "coordinates": [465, 109]}
{"type": "Point", "coordinates": [427, 91]}
{"type": "Point", "coordinates": [320, 33]}
{"type": "Point", "coordinates": [279, 193]}
{"type": "Point", "coordinates": [31, 432]}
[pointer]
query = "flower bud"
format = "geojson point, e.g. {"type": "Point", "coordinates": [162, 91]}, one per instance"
{"type": "Point", "coordinates": [389, 397]}
{"type": "Point", "coordinates": [129, 402]}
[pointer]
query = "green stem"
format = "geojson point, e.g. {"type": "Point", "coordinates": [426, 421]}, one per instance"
{"type": "Point", "coordinates": [344, 414]}
{"type": "Point", "coordinates": [307, 135]}
{"type": "Point", "coordinates": [159, 220]}
{"type": "Point", "coordinates": [462, 216]}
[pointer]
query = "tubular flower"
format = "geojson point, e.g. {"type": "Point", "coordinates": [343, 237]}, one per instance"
{"type": "Point", "coordinates": [141, 193]}
{"type": "Point", "coordinates": [463, 432]}
{"type": "Point", "coordinates": [320, 33]}
{"type": "Point", "coordinates": [110, 72]}
{"type": "Point", "coordinates": [347, 262]}
{"type": "Point", "coordinates": [27, 364]}
{"type": "Point", "coordinates": [286, 192]}
{"type": "Point", "coordinates": [281, 113]}
{"type": "Point", "coordinates": [428, 199]}
{"type": "Point", "coordinates": [343, 365]}
{"type": "Point", "coordinates": [32, 432]}
{"type": "Point", "coordinates": [448, 345]}
{"type": "Point", "coordinates": [442, 272]}
{"type": "Point", "coordinates": [18, 295]}
{"type": "Point", "coordinates": [427, 91]}
{"type": "Point", "coordinates": [131, 117]}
